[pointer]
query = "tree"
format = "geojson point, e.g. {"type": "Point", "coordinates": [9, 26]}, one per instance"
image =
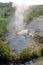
{"type": "Point", "coordinates": [5, 54]}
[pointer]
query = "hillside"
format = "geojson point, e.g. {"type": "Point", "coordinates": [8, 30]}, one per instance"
{"type": "Point", "coordinates": [33, 11]}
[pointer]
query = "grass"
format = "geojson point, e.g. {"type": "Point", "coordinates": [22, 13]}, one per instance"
{"type": "Point", "coordinates": [3, 19]}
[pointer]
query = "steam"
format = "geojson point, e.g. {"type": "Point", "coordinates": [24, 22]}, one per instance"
{"type": "Point", "coordinates": [19, 24]}
{"type": "Point", "coordinates": [16, 24]}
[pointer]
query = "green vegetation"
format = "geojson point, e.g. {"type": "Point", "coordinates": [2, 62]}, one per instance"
{"type": "Point", "coordinates": [25, 55]}
{"type": "Point", "coordinates": [35, 12]}
{"type": "Point", "coordinates": [35, 54]}
{"type": "Point", "coordinates": [6, 10]}
{"type": "Point", "coordinates": [5, 54]}
{"type": "Point", "coordinates": [3, 23]}
{"type": "Point", "coordinates": [42, 50]}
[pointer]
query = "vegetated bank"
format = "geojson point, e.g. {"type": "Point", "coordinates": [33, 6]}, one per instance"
{"type": "Point", "coordinates": [33, 11]}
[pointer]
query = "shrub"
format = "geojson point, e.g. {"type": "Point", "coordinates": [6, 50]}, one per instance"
{"type": "Point", "coordinates": [25, 55]}
{"type": "Point", "coordinates": [5, 54]}
{"type": "Point", "coordinates": [35, 54]}
{"type": "Point", "coordinates": [42, 50]}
